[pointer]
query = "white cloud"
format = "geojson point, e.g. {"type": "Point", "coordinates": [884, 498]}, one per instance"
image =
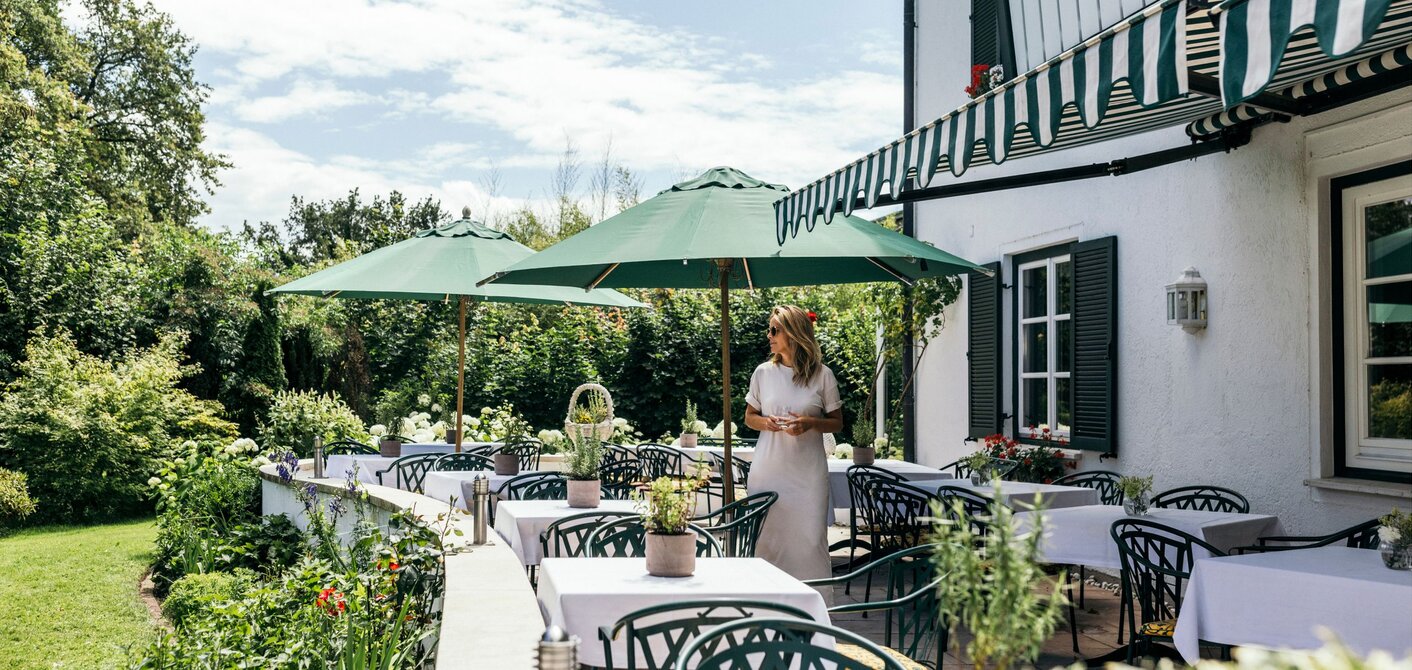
{"type": "Point", "coordinates": [533, 72]}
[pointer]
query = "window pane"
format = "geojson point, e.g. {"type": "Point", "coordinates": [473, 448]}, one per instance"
{"type": "Point", "coordinates": [1034, 291]}
{"type": "Point", "coordinates": [1036, 402]}
{"type": "Point", "coordinates": [1390, 319]}
{"type": "Point", "coordinates": [1064, 347]}
{"type": "Point", "coordinates": [1063, 287]}
{"type": "Point", "coordinates": [1389, 238]}
{"type": "Point", "coordinates": [1389, 401]}
{"type": "Point", "coordinates": [1036, 354]}
{"type": "Point", "coordinates": [1064, 403]}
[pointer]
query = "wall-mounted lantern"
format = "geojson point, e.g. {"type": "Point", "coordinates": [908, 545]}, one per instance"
{"type": "Point", "coordinates": [1186, 301]}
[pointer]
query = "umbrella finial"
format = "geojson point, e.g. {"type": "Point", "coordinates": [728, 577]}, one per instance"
{"type": "Point", "coordinates": [466, 212]}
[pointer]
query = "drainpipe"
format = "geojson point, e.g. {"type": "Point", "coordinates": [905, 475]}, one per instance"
{"type": "Point", "coordinates": [909, 228]}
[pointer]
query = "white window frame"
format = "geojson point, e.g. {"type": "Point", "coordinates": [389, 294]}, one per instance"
{"type": "Point", "coordinates": [1051, 339]}
{"type": "Point", "coordinates": [1361, 450]}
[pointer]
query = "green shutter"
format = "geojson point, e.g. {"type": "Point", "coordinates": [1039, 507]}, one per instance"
{"type": "Point", "coordinates": [1095, 357]}
{"type": "Point", "coordinates": [983, 342]}
{"type": "Point", "coordinates": [985, 32]}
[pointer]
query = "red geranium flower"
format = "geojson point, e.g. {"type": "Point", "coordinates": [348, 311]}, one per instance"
{"type": "Point", "coordinates": [813, 317]}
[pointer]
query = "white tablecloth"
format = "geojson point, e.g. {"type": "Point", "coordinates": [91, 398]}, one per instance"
{"type": "Point", "coordinates": [1081, 535]}
{"type": "Point", "coordinates": [442, 485]}
{"type": "Point", "coordinates": [521, 521]}
{"type": "Point", "coordinates": [581, 594]}
{"type": "Point", "coordinates": [838, 476]}
{"type": "Point", "coordinates": [1020, 495]}
{"type": "Point", "coordinates": [338, 465]}
{"type": "Point", "coordinates": [1277, 599]}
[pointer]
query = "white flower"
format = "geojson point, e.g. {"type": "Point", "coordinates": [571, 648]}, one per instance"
{"type": "Point", "coordinates": [260, 461]}
{"type": "Point", "coordinates": [188, 445]}
{"type": "Point", "coordinates": [439, 430]}
{"type": "Point", "coordinates": [378, 430]}
{"type": "Point", "coordinates": [1388, 535]}
{"type": "Point", "coordinates": [472, 421]}
{"type": "Point", "coordinates": [423, 400]}
{"type": "Point", "coordinates": [486, 411]}
{"type": "Point", "coordinates": [619, 422]}
{"type": "Point", "coordinates": [422, 417]}
{"type": "Point", "coordinates": [181, 461]}
{"type": "Point", "coordinates": [720, 430]}
{"type": "Point", "coordinates": [881, 441]}
{"type": "Point", "coordinates": [702, 427]}
{"type": "Point", "coordinates": [233, 449]}
{"type": "Point", "coordinates": [243, 444]}
{"type": "Point", "coordinates": [408, 427]}
{"type": "Point", "coordinates": [436, 408]}
{"type": "Point", "coordinates": [843, 451]}
{"type": "Point", "coordinates": [154, 481]}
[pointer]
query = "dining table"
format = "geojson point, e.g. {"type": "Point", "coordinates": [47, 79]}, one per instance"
{"type": "Point", "coordinates": [580, 595]}
{"type": "Point", "coordinates": [444, 485]}
{"type": "Point", "coordinates": [1282, 599]}
{"type": "Point", "coordinates": [520, 522]}
{"type": "Point", "coordinates": [1082, 535]}
{"type": "Point", "coordinates": [838, 479]}
{"type": "Point", "coordinates": [1018, 495]}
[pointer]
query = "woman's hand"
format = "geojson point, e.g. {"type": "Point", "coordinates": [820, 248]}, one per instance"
{"type": "Point", "coordinates": [765, 424]}
{"type": "Point", "coordinates": [798, 425]}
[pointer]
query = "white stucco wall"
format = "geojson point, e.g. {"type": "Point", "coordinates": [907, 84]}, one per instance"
{"type": "Point", "coordinates": [1236, 405]}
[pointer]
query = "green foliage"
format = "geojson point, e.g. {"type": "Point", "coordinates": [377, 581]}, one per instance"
{"type": "Point", "coordinates": [261, 372]}
{"type": "Point", "coordinates": [1134, 487]}
{"type": "Point", "coordinates": [994, 586]}
{"type": "Point", "coordinates": [297, 417]}
{"type": "Point", "coordinates": [668, 503]}
{"type": "Point", "coordinates": [1040, 464]}
{"type": "Point", "coordinates": [1390, 409]}
{"type": "Point", "coordinates": [689, 421]}
{"type": "Point", "coordinates": [583, 455]}
{"type": "Point", "coordinates": [89, 432]}
{"type": "Point", "coordinates": [15, 503]}
{"type": "Point", "coordinates": [197, 592]}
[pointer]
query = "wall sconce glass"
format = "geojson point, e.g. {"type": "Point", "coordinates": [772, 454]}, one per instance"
{"type": "Point", "coordinates": [1186, 301]}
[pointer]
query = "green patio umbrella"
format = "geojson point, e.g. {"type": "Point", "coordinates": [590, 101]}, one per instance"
{"type": "Point", "coordinates": [718, 230]}
{"type": "Point", "coordinates": [440, 264]}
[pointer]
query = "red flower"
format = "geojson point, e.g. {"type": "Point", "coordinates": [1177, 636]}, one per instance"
{"type": "Point", "coordinates": [331, 601]}
{"type": "Point", "coordinates": [813, 317]}
{"type": "Point", "coordinates": [392, 566]}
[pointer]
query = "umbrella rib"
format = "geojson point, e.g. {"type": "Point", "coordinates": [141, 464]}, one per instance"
{"type": "Point", "coordinates": [332, 294]}
{"type": "Point", "coordinates": [601, 277]}
{"type": "Point", "coordinates": [748, 281]}
{"type": "Point", "coordinates": [895, 274]}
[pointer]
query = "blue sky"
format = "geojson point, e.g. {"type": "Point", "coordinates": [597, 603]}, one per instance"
{"type": "Point", "coordinates": [430, 97]}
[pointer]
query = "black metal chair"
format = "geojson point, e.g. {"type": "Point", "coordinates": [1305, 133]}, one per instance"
{"type": "Point", "coordinates": [526, 452]}
{"type": "Point", "coordinates": [619, 478]}
{"type": "Point", "coordinates": [463, 462]}
{"type": "Point", "coordinates": [858, 478]}
{"type": "Point", "coordinates": [1000, 467]}
{"type": "Point", "coordinates": [655, 636]}
{"type": "Point", "coordinates": [740, 468]}
{"type": "Point", "coordinates": [735, 441]}
{"type": "Point", "coordinates": [627, 538]}
{"type": "Point", "coordinates": [898, 518]}
{"type": "Point", "coordinates": [782, 643]}
{"type": "Point", "coordinates": [409, 472]}
{"type": "Point", "coordinates": [660, 460]}
{"type": "Point", "coordinates": [1205, 498]}
{"type": "Point", "coordinates": [617, 453]}
{"type": "Point", "coordinates": [535, 486]}
{"type": "Point", "coordinates": [975, 508]}
{"type": "Point", "coordinates": [568, 537]}
{"type": "Point", "coordinates": [1103, 481]}
{"type": "Point", "coordinates": [738, 524]}
{"type": "Point", "coordinates": [1156, 564]}
{"type": "Point", "coordinates": [1361, 536]}
{"type": "Point", "coordinates": [351, 447]}
{"type": "Point", "coordinates": [913, 631]}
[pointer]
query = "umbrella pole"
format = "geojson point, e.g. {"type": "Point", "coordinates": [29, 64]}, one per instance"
{"type": "Point", "coordinates": [461, 374]}
{"type": "Point", "coordinates": [728, 465]}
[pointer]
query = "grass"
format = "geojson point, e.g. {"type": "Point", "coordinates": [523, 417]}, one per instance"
{"type": "Point", "coordinates": [70, 595]}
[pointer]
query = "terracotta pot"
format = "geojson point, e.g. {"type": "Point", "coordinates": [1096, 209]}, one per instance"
{"type": "Point", "coordinates": [671, 555]}
{"type": "Point", "coordinates": [688, 440]}
{"type": "Point", "coordinates": [390, 448]}
{"type": "Point", "coordinates": [507, 464]}
{"type": "Point", "coordinates": [451, 436]}
{"type": "Point", "coordinates": [584, 493]}
{"type": "Point", "coordinates": [864, 455]}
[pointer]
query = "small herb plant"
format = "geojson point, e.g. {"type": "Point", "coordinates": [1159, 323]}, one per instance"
{"type": "Point", "coordinates": [977, 462]}
{"type": "Point", "coordinates": [863, 432]}
{"type": "Point", "coordinates": [1135, 487]}
{"type": "Point", "coordinates": [667, 504]}
{"type": "Point", "coordinates": [591, 408]}
{"type": "Point", "coordinates": [1396, 530]}
{"type": "Point", "coordinates": [583, 456]}
{"type": "Point", "coordinates": [688, 422]}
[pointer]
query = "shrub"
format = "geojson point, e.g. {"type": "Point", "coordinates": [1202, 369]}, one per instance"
{"type": "Point", "coordinates": [89, 432]}
{"type": "Point", "coordinates": [193, 594]}
{"type": "Point", "coordinates": [15, 503]}
{"type": "Point", "coordinates": [296, 417]}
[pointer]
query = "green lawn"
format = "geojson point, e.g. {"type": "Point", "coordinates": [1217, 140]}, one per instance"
{"type": "Point", "coordinates": [68, 595]}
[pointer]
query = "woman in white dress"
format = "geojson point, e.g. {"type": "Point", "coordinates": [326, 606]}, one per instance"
{"type": "Point", "coordinates": [793, 401]}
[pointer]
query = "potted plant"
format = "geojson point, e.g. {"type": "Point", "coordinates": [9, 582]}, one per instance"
{"type": "Point", "coordinates": [1395, 540]}
{"type": "Point", "coordinates": [1135, 491]}
{"type": "Point", "coordinates": [690, 429]}
{"type": "Point", "coordinates": [594, 415]}
{"type": "Point", "coordinates": [864, 451]}
{"type": "Point", "coordinates": [388, 445]}
{"type": "Point", "coordinates": [582, 458]}
{"type": "Point", "coordinates": [979, 465]}
{"type": "Point", "coordinates": [666, 506]}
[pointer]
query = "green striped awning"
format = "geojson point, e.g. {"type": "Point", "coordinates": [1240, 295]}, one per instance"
{"type": "Point", "coordinates": [1255, 35]}
{"type": "Point", "coordinates": [1131, 78]}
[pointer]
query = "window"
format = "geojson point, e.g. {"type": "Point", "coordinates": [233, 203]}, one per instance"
{"type": "Point", "coordinates": [991, 41]}
{"type": "Point", "coordinates": [1372, 235]}
{"type": "Point", "coordinates": [1044, 339]}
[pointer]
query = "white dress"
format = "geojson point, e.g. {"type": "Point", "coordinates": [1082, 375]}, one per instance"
{"type": "Point", "coordinates": [795, 535]}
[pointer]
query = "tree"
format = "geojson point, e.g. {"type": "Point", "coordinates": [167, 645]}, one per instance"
{"type": "Point", "coordinates": [261, 372]}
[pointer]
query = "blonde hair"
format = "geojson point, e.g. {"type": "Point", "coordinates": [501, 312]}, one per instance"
{"type": "Point", "coordinates": [798, 330]}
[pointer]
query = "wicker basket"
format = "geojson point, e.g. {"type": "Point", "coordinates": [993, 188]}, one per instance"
{"type": "Point", "coordinates": [603, 429]}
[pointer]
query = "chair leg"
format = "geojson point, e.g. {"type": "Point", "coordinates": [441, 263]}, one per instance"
{"type": "Point", "coordinates": [1074, 629]}
{"type": "Point", "coordinates": [1081, 585]}
{"type": "Point", "coordinates": [852, 545]}
{"type": "Point", "coordinates": [1122, 608]}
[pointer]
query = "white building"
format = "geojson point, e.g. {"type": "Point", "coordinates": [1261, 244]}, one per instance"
{"type": "Point", "coordinates": [1271, 398]}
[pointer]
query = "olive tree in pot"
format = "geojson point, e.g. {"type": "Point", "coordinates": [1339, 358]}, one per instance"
{"type": "Point", "coordinates": [582, 459]}
{"type": "Point", "coordinates": [666, 507]}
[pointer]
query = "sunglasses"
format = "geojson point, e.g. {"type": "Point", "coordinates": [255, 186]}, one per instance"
{"type": "Point", "coordinates": [773, 330]}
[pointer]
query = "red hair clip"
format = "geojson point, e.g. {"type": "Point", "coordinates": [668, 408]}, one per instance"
{"type": "Point", "coordinates": [813, 317]}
